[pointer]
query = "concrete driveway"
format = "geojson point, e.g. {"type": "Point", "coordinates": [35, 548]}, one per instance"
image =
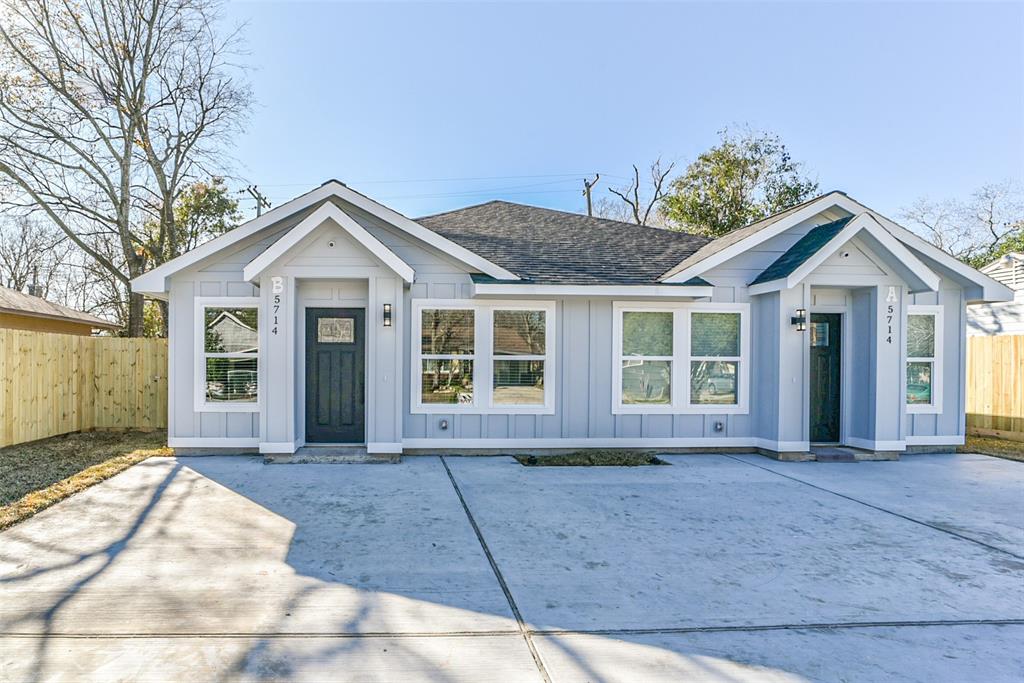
{"type": "Point", "coordinates": [718, 568]}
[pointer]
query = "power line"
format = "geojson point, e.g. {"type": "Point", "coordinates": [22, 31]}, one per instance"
{"type": "Point", "coordinates": [454, 194]}
{"type": "Point", "coordinates": [261, 199]}
{"type": "Point", "coordinates": [445, 180]}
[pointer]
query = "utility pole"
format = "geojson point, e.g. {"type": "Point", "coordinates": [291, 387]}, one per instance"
{"type": "Point", "coordinates": [261, 201]}
{"type": "Point", "coordinates": [587, 187]}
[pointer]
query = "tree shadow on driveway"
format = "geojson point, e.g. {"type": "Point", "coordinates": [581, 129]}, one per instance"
{"type": "Point", "coordinates": [241, 571]}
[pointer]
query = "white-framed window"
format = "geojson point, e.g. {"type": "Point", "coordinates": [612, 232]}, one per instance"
{"type": "Point", "coordinates": [680, 358]}
{"type": "Point", "coordinates": [227, 351]}
{"type": "Point", "coordinates": [483, 356]}
{"type": "Point", "coordinates": [924, 358]}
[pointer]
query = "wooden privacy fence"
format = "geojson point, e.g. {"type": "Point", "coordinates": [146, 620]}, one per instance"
{"type": "Point", "coordinates": [57, 383]}
{"type": "Point", "coordinates": [995, 386]}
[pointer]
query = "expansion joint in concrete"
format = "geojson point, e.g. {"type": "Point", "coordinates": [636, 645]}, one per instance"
{"type": "Point", "coordinates": [497, 573]}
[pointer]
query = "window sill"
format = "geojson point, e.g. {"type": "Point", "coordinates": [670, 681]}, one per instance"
{"type": "Point", "coordinates": [923, 410]}
{"type": "Point", "coordinates": [455, 409]}
{"type": "Point", "coordinates": [203, 407]}
{"type": "Point", "coordinates": [723, 409]}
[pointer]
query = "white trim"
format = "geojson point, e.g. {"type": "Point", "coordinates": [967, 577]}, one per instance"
{"type": "Point", "coordinates": [783, 446]}
{"type": "Point", "coordinates": [937, 359]}
{"type": "Point", "coordinates": [872, 445]}
{"type": "Point", "coordinates": [199, 306]}
{"type": "Point", "coordinates": [212, 442]}
{"type": "Point", "coordinates": [369, 354]}
{"type": "Point", "coordinates": [660, 291]}
{"type": "Point", "coordinates": [384, 447]}
{"type": "Point", "coordinates": [314, 221]}
{"type": "Point", "coordinates": [155, 281]}
{"type": "Point", "coordinates": [864, 222]}
{"type": "Point", "coordinates": [991, 290]}
{"type": "Point", "coordinates": [846, 378]}
{"type": "Point", "coordinates": [483, 357]}
{"type": "Point", "coordinates": [681, 358]}
{"type": "Point", "coordinates": [279, 446]}
{"type": "Point", "coordinates": [954, 440]}
{"type": "Point", "coordinates": [584, 442]}
{"type": "Point", "coordinates": [780, 226]}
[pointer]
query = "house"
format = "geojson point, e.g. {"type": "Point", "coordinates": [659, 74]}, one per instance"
{"type": "Point", "coordinates": [1005, 317]}
{"type": "Point", "coordinates": [504, 327]}
{"type": "Point", "coordinates": [20, 311]}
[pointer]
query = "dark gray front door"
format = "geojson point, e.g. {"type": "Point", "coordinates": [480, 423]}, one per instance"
{"type": "Point", "coordinates": [825, 374]}
{"type": "Point", "coordinates": [335, 353]}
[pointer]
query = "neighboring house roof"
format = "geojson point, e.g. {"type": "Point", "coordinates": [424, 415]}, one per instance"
{"type": "Point", "coordinates": [544, 246]}
{"type": "Point", "coordinates": [18, 303]}
{"type": "Point", "coordinates": [1008, 269]}
{"type": "Point", "coordinates": [234, 335]}
{"type": "Point", "coordinates": [806, 247]}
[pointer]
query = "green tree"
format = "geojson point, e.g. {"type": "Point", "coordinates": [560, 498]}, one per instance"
{"type": "Point", "coordinates": [204, 210]}
{"type": "Point", "coordinates": [744, 178]}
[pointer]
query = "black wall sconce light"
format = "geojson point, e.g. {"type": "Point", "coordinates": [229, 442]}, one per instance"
{"type": "Point", "coordinates": [387, 315]}
{"type": "Point", "coordinates": [800, 320]}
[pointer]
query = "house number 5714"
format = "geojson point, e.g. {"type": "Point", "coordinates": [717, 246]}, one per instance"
{"type": "Point", "coordinates": [276, 288]}
{"type": "Point", "coordinates": [890, 313]}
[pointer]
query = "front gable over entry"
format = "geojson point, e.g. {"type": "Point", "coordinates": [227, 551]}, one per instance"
{"type": "Point", "coordinates": [327, 214]}
{"type": "Point", "coordinates": [156, 282]}
{"type": "Point", "coordinates": [823, 241]}
{"type": "Point", "coordinates": [828, 208]}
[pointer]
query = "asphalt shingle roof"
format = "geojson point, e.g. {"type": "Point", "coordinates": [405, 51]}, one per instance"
{"type": "Point", "coordinates": [806, 247]}
{"type": "Point", "coordinates": [545, 246]}
{"type": "Point", "coordinates": [717, 245]}
{"type": "Point", "coordinates": [19, 303]}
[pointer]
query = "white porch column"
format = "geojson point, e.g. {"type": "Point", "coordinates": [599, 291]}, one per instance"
{"type": "Point", "coordinates": [794, 354]}
{"type": "Point", "coordinates": [889, 372]}
{"type": "Point", "coordinates": [279, 317]}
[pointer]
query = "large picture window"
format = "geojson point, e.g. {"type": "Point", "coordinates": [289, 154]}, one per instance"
{"type": "Point", "coordinates": [483, 357]}
{"type": "Point", "coordinates": [924, 358]}
{"type": "Point", "coordinates": [682, 358]}
{"type": "Point", "coordinates": [227, 362]}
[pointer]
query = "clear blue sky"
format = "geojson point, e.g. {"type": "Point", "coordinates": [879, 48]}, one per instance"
{"type": "Point", "coordinates": [888, 102]}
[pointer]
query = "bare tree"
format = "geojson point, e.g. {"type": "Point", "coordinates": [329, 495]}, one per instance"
{"type": "Point", "coordinates": [31, 253]}
{"type": "Point", "coordinates": [108, 109]}
{"type": "Point", "coordinates": [974, 229]}
{"type": "Point", "coordinates": [637, 204]}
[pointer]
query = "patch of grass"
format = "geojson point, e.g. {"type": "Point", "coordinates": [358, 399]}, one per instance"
{"type": "Point", "coordinates": [34, 476]}
{"type": "Point", "coordinates": [595, 458]}
{"type": "Point", "coordinates": [989, 445]}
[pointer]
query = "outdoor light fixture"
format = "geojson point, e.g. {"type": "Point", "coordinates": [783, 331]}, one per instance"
{"type": "Point", "coordinates": [387, 315]}
{"type": "Point", "coordinates": [800, 320]}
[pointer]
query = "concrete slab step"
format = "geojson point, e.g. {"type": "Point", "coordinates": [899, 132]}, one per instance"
{"type": "Point", "coordinates": [332, 455]}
